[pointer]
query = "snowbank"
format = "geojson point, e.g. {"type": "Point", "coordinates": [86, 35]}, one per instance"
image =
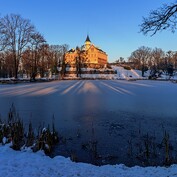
{"type": "Point", "coordinates": [129, 74]}
{"type": "Point", "coordinates": [121, 74]}
{"type": "Point", "coordinates": [27, 164]}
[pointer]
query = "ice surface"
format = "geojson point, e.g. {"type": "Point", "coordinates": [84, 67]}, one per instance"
{"type": "Point", "coordinates": [102, 104]}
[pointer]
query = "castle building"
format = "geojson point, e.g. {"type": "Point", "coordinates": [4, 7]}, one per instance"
{"type": "Point", "coordinates": [89, 53]}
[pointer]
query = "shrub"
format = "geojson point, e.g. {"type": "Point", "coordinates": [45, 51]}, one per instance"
{"type": "Point", "coordinates": [13, 132]}
{"type": "Point", "coordinates": [127, 67]}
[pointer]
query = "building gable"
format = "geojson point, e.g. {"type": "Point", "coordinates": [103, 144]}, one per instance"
{"type": "Point", "coordinates": [93, 54]}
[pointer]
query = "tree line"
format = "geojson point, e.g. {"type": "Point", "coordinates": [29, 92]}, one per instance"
{"type": "Point", "coordinates": [156, 60]}
{"type": "Point", "coordinates": [163, 18]}
{"type": "Point", "coordinates": [24, 50]}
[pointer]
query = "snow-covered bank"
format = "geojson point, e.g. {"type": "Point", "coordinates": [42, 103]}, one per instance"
{"type": "Point", "coordinates": [116, 73]}
{"type": "Point", "coordinates": [27, 164]}
{"type": "Point", "coordinates": [129, 74]}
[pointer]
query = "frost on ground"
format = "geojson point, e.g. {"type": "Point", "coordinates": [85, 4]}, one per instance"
{"type": "Point", "coordinates": [26, 163]}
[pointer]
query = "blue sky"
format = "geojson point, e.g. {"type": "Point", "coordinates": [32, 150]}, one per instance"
{"type": "Point", "coordinates": [113, 25]}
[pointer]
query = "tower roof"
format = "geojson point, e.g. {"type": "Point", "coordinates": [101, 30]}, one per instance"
{"type": "Point", "coordinates": [87, 39]}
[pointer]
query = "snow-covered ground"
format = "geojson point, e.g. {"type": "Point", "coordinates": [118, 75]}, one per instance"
{"type": "Point", "coordinates": [122, 74]}
{"type": "Point", "coordinates": [129, 74]}
{"type": "Point", "coordinates": [25, 163]}
{"type": "Point", "coordinates": [137, 74]}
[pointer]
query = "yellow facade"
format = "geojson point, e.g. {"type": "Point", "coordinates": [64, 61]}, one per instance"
{"type": "Point", "coordinates": [89, 54]}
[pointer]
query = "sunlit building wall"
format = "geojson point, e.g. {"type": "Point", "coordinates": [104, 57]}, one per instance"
{"type": "Point", "coordinates": [90, 54]}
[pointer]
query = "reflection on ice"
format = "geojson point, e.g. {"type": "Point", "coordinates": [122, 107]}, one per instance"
{"type": "Point", "coordinates": [70, 88]}
{"type": "Point", "coordinates": [89, 87]}
{"type": "Point", "coordinates": [118, 89]}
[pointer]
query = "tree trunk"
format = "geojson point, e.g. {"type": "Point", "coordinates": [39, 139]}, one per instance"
{"type": "Point", "coordinates": [15, 65]}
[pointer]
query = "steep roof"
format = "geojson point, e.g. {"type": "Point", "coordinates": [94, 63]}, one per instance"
{"type": "Point", "coordinates": [71, 51]}
{"type": "Point", "coordinates": [98, 49]}
{"type": "Point", "coordinates": [87, 39]}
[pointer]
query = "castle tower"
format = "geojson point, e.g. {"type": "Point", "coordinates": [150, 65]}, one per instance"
{"type": "Point", "coordinates": [87, 43]}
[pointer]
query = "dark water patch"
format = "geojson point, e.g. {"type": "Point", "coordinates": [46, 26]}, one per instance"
{"type": "Point", "coordinates": [114, 142]}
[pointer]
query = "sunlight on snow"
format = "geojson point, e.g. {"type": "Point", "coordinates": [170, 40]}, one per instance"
{"type": "Point", "coordinates": [88, 87]}
{"type": "Point", "coordinates": [17, 91]}
{"type": "Point", "coordinates": [136, 83]}
{"type": "Point", "coordinates": [70, 88]}
{"type": "Point", "coordinates": [76, 87]}
{"type": "Point", "coordinates": [45, 91]}
{"type": "Point", "coordinates": [135, 73]}
{"type": "Point", "coordinates": [118, 89]}
{"type": "Point", "coordinates": [82, 87]}
{"type": "Point", "coordinates": [27, 90]}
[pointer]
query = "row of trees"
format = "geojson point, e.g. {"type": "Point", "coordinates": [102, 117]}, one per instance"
{"type": "Point", "coordinates": [23, 50]}
{"type": "Point", "coordinates": [154, 59]}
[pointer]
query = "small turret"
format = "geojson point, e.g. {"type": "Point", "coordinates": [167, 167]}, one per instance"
{"type": "Point", "coordinates": [87, 39]}
{"type": "Point", "coordinates": [87, 43]}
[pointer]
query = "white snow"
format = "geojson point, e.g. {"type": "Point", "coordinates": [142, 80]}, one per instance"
{"type": "Point", "coordinates": [4, 140]}
{"type": "Point", "coordinates": [44, 130]}
{"type": "Point", "coordinates": [25, 163]}
{"type": "Point", "coordinates": [121, 74]}
{"type": "Point", "coordinates": [129, 74]}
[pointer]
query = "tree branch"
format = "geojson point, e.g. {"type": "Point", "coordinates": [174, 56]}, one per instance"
{"type": "Point", "coordinates": [160, 19]}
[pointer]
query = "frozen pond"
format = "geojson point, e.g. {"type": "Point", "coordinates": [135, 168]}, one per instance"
{"type": "Point", "coordinates": [110, 112]}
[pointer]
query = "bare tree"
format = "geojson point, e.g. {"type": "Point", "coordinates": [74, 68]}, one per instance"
{"type": "Point", "coordinates": [36, 40]}
{"type": "Point", "coordinates": [175, 60]}
{"type": "Point", "coordinates": [157, 58]}
{"type": "Point", "coordinates": [32, 56]}
{"type": "Point", "coordinates": [45, 62]}
{"type": "Point", "coordinates": [157, 62]}
{"type": "Point", "coordinates": [27, 62]}
{"type": "Point", "coordinates": [15, 35]}
{"type": "Point", "coordinates": [2, 43]}
{"type": "Point", "coordinates": [140, 57]}
{"type": "Point", "coordinates": [57, 56]}
{"type": "Point", "coordinates": [64, 49]}
{"type": "Point", "coordinates": [160, 19]}
{"type": "Point", "coordinates": [169, 62]}
{"type": "Point", "coordinates": [2, 64]}
{"type": "Point", "coordinates": [81, 58]}
{"type": "Point", "coordinates": [6, 64]}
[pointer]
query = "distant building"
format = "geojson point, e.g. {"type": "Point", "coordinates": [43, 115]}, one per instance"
{"type": "Point", "coordinates": [90, 54]}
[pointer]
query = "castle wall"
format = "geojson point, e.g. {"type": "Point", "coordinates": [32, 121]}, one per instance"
{"type": "Point", "coordinates": [91, 55]}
